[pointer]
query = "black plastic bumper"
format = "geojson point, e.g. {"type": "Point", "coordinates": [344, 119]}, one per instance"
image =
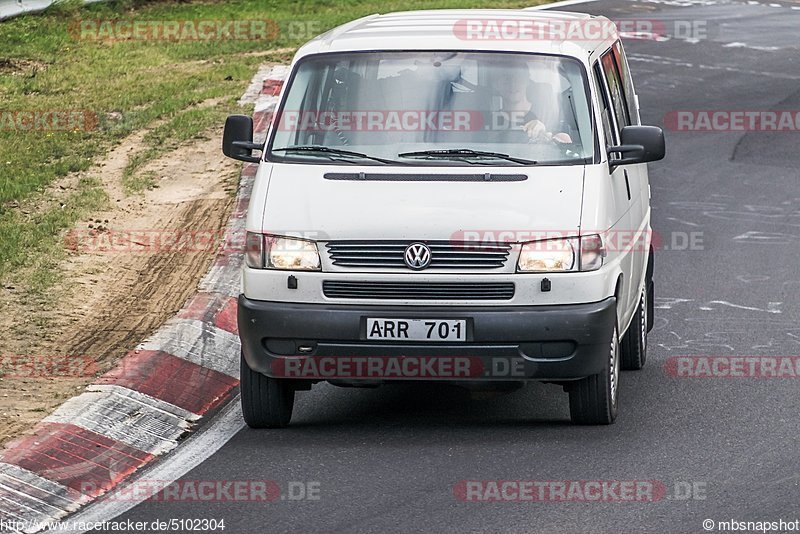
{"type": "Point", "coordinates": [563, 342]}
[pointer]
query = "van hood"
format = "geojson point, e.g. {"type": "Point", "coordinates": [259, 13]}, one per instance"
{"type": "Point", "coordinates": [427, 203]}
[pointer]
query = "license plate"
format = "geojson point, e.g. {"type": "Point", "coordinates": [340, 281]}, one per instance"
{"type": "Point", "coordinates": [417, 329]}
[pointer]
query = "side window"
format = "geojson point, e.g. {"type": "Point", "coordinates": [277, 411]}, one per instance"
{"type": "Point", "coordinates": [610, 131]}
{"type": "Point", "coordinates": [627, 81]}
{"type": "Point", "coordinates": [615, 90]}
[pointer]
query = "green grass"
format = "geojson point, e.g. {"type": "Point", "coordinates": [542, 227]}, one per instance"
{"type": "Point", "coordinates": [169, 136]}
{"type": "Point", "coordinates": [129, 85]}
{"type": "Point", "coordinates": [30, 241]}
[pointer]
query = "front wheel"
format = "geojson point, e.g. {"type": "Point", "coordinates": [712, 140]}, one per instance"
{"type": "Point", "coordinates": [593, 400]}
{"type": "Point", "coordinates": [634, 342]}
{"type": "Point", "coordinates": [266, 402]}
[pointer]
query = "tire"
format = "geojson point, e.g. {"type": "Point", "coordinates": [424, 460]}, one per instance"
{"type": "Point", "coordinates": [651, 298]}
{"type": "Point", "coordinates": [634, 342]}
{"type": "Point", "coordinates": [266, 402]}
{"type": "Point", "coordinates": [651, 307]}
{"type": "Point", "coordinates": [593, 400]}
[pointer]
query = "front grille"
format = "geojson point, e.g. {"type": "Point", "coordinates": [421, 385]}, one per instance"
{"type": "Point", "coordinates": [444, 254]}
{"type": "Point", "coordinates": [419, 290]}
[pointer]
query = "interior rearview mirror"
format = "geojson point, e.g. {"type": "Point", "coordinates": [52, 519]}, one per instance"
{"type": "Point", "coordinates": [237, 140]}
{"type": "Point", "coordinates": [640, 144]}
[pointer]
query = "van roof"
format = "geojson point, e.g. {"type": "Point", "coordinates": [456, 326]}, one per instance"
{"type": "Point", "coordinates": [512, 30]}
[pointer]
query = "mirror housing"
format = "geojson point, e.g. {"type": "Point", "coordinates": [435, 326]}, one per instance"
{"type": "Point", "coordinates": [237, 140]}
{"type": "Point", "coordinates": [640, 144]}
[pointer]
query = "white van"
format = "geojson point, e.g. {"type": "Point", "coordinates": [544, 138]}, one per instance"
{"type": "Point", "coordinates": [449, 196]}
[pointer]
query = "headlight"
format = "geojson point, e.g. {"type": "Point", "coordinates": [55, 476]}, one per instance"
{"type": "Point", "coordinates": [552, 255]}
{"type": "Point", "coordinates": [292, 254]}
{"type": "Point", "coordinates": [277, 252]}
{"type": "Point", "coordinates": [562, 255]}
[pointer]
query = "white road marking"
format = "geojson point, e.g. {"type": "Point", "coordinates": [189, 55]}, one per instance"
{"type": "Point", "coordinates": [193, 452]}
{"type": "Point", "coordinates": [19, 502]}
{"type": "Point", "coordinates": [198, 342]}
{"type": "Point", "coordinates": [141, 422]}
{"type": "Point", "coordinates": [666, 303]}
{"type": "Point", "coordinates": [773, 238]}
{"type": "Point", "coordinates": [682, 221]}
{"type": "Point", "coordinates": [197, 448]}
{"type": "Point", "coordinates": [562, 3]}
{"type": "Point", "coordinates": [772, 307]}
{"type": "Point", "coordinates": [747, 278]}
{"type": "Point", "coordinates": [753, 47]}
{"type": "Point", "coordinates": [223, 279]}
{"type": "Point", "coordinates": [661, 60]}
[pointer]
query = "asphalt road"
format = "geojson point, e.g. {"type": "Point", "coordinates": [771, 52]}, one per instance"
{"type": "Point", "coordinates": [388, 459]}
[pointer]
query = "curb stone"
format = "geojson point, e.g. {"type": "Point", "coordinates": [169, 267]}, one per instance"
{"type": "Point", "coordinates": [155, 396]}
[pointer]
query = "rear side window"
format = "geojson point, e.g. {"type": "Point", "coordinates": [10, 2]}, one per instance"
{"type": "Point", "coordinates": [615, 90]}
{"type": "Point", "coordinates": [627, 82]}
{"type": "Point", "coordinates": [610, 131]}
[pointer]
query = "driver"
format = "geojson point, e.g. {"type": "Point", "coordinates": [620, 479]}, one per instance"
{"type": "Point", "coordinates": [511, 82]}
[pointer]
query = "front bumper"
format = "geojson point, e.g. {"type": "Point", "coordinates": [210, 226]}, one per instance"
{"type": "Point", "coordinates": [559, 343]}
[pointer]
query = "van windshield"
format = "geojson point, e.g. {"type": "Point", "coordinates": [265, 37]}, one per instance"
{"type": "Point", "coordinates": [435, 108]}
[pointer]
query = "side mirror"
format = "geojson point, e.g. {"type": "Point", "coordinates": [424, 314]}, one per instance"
{"type": "Point", "coordinates": [237, 140]}
{"type": "Point", "coordinates": [640, 144]}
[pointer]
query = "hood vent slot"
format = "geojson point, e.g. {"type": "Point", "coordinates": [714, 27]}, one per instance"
{"type": "Point", "coordinates": [415, 177]}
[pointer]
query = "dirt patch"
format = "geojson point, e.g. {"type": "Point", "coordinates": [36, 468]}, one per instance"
{"type": "Point", "coordinates": [111, 298]}
{"type": "Point", "coordinates": [267, 53]}
{"type": "Point", "coordinates": [20, 67]}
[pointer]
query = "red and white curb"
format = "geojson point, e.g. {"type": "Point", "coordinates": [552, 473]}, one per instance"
{"type": "Point", "coordinates": [155, 396]}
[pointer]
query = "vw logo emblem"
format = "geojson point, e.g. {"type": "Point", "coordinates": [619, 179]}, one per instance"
{"type": "Point", "coordinates": [417, 256]}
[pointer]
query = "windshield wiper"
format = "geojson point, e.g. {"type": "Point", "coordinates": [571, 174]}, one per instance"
{"type": "Point", "coordinates": [463, 153]}
{"type": "Point", "coordinates": [334, 152]}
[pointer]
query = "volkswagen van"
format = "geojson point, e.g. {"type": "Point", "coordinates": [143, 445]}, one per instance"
{"type": "Point", "coordinates": [454, 196]}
